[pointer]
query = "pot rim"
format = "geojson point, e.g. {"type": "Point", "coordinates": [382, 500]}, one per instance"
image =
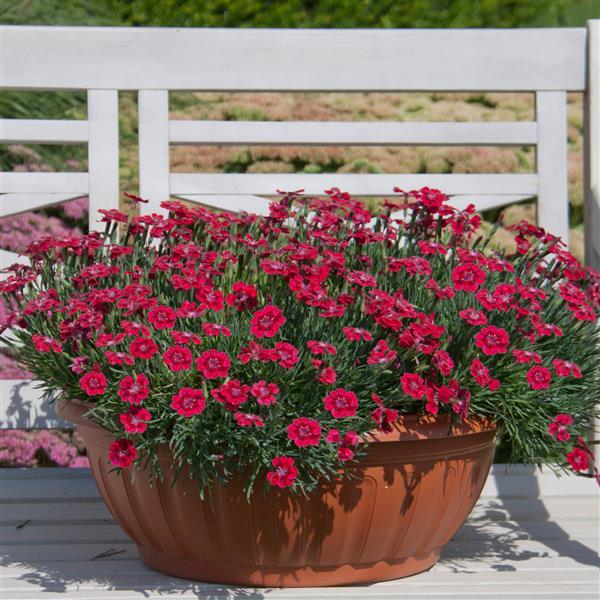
{"type": "Point", "coordinates": [407, 428]}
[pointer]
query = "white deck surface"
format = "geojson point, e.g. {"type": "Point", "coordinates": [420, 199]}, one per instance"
{"type": "Point", "coordinates": [530, 536]}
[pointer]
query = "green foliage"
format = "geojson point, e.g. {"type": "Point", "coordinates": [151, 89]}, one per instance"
{"type": "Point", "coordinates": [302, 13]}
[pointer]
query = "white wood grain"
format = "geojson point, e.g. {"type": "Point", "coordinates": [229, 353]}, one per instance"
{"type": "Point", "coordinates": [591, 219]}
{"type": "Point", "coordinates": [40, 131]}
{"type": "Point", "coordinates": [23, 406]}
{"type": "Point", "coordinates": [299, 59]}
{"type": "Point", "coordinates": [592, 149]}
{"type": "Point", "coordinates": [357, 184]}
{"type": "Point", "coordinates": [230, 203]}
{"type": "Point", "coordinates": [15, 203]}
{"type": "Point", "coordinates": [8, 258]}
{"type": "Point", "coordinates": [103, 153]}
{"type": "Point", "coordinates": [553, 194]}
{"type": "Point", "coordinates": [44, 183]}
{"type": "Point", "coordinates": [295, 133]}
{"type": "Point", "coordinates": [153, 108]}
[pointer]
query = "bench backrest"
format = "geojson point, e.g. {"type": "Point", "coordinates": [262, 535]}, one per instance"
{"type": "Point", "coordinates": [102, 61]}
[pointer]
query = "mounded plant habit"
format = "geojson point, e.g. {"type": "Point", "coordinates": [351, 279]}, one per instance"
{"type": "Point", "coordinates": [271, 344]}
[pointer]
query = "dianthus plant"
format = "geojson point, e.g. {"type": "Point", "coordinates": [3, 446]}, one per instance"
{"type": "Point", "coordinates": [267, 346]}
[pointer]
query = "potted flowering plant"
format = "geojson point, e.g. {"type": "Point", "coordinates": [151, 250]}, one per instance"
{"type": "Point", "coordinates": [310, 397]}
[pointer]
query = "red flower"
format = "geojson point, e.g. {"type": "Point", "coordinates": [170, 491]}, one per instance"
{"type": "Point", "coordinates": [328, 376]}
{"type": "Point", "coordinates": [243, 296]}
{"type": "Point", "coordinates": [565, 368]}
{"type": "Point", "coordinates": [558, 427]}
{"type": "Point", "coordinates": [183, 337]}
{"type": "Point", "coordinates": [384, 417]}
{"type": "Point", "coordinates": [304, 432]}
{"type": "Point", "coordinates": [210, 299]}
{"type": "Point", "coordinates": [287, 354]}
{"type": "Point", "coordinates": [413, 385]}
{"type": "Point", "coordinates": [143, 347]}
{"type": "Point", "coordinates": [341, 403]}
{"type": "Point", "coordinates": [265, 392]}
{"type": "Point", "coordinates": [214, 329]}
{"type": "Point", "coordinates": [267, 321]}
{"type": "Point", "coordinates": [539, 377]}
{"type": "Point", "coordinates": [355, 334]}
{"type": "Point", "coordinates": [473, 317]}
{"type": "Point", "coordinates": [578, 459]}
{"type": "Point", "coordinates": [492, 340]}
{"type": "Point", "coordinates": [284, 472]}
{"type": "Point", "coordinates": [213, 364]}
{"type": "Point", "coordinates": [232, 394]}
{"type": "Point", "coordinates": [468, 277]}
{"type": "Point", "coordinates": [481, 375]}
{"type": "Point", "coordinates": [443, 362]}
{"type": "Point", "coordinates": [162, 317]}
{"type": "Point", "coordinates": [381, 354]}
{"type": "Point", "coordinates": [361, 278]}
{"type": "Point", "coordinates": [247, 420]}
{"type": "Point", "coordinates": [188, 402]}
{"type": "Point", "coordinates": [118, 358]}
{"type": "Point", "coordinates": [93, 383]}
{"type": "Point", "coordinates": [135, 420]}
{"type": "Point", "coordinates": [122, 453]}
{"type": "Point", "coordinates": [318, 348]}
{"type": "Point", "coordinates": [178, 358]}
{"type": "Point", "coordinates": [526, 356]}
{"type": "Point", "coordinates": [45, 344]}
{"type": "Point", "coordinates": [134, 391]}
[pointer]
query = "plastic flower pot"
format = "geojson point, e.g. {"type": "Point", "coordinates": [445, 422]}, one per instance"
{"type": "Point", "coordinates": [402, 503]}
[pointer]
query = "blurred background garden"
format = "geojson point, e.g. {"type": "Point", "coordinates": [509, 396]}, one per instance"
{"type": "Point", "coordinates": [53, 448]}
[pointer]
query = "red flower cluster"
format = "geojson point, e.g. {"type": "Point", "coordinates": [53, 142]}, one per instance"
{"type": "Point", "coordinates": [276, 342]}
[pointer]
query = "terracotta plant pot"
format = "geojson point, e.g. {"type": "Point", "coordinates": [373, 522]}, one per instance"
{"type": "Point", "coordinates": [408, 497]}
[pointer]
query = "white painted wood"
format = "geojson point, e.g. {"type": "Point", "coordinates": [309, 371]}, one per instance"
{"type": "Point", "coordinates": [103, 153]}
{"type": "Point", "coordinates": [44, 183]}
{"type": "Point", "coordinates": [357, 184]}
{"type": "Point", "coordinates": [231, 203]}
{"type": "Point", "coordinates": [8, 258]}
{"type": "Point", "coordinates": [40, 131]}
{"type": "Point", "coordinates": [378, 133]}
{"type": "Point", "coordinates": [592, 149]}
{"type": "Point", "coordinates": [23, 406]}
{"type": "Point", "coordinates": [553, 194]}
{"type": "Point", "coordinates": [591, 218]}
{"type": "Point", "coordinates": [59, 539]}
{"type": "Point", "coordinates": [15, 203]}
{"type": "Point", "coordinates": [153, 109]}
{"type": "Point", "coordinates": [298, 59]}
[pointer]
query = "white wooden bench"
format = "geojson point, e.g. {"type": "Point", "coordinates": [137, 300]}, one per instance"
{"type": "Point", "coordinates": [531, 535]}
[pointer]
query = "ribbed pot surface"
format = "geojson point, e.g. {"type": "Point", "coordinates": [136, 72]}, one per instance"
{"type": "Point", "coordinates": [409, 496]}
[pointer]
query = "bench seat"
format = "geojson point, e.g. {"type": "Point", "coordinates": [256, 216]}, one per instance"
{"type": "Point", "coordinates": [531, 535]}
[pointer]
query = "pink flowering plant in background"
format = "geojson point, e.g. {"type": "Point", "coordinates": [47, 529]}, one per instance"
{"type": "Point", "coordinates": [271, 345]}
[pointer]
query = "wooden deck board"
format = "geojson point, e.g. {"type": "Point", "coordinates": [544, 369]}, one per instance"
{"type": "Point", "coordinates": [530, 536]}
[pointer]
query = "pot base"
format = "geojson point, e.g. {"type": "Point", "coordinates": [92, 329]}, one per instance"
{"type": "Point", "coordinates": [266, 576]}
{"type": "Point", "coordinates": [405, 499]}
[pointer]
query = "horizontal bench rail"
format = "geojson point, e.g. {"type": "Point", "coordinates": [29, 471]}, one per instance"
{"type": "Point", "coordinates": [293, 59]}
{"type": "Point", "coordinates": [344, 133]}
{"type": "Point", "coordinates": [358, 184]}
{"type": "Point", "coordinates": [42, 131]}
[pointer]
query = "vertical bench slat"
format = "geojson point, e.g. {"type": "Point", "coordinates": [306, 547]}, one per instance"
{"type": "Point", "coordinates": [153, 108]}
{"type": "Point", "coordinates": [553, 193]}
{"type": "Point", "coordinates": [592, 169]}
{"type": "Point", "coordinates": [103, 153]}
